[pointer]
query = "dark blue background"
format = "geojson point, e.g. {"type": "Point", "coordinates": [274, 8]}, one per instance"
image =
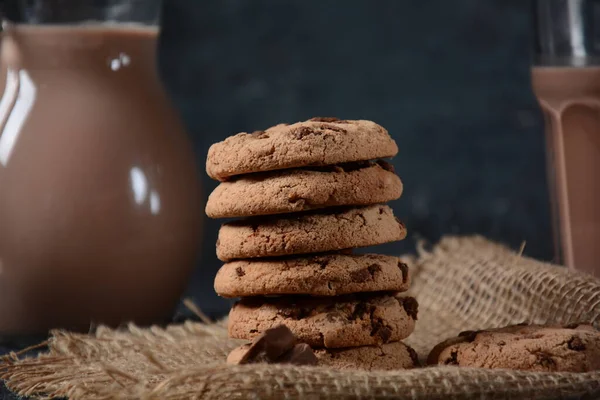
{"type": "Point", "coordinates": [449, 80]}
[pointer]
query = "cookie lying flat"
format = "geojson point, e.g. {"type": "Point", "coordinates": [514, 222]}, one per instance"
{"type": "Point", "coordinates": [293, 190]}
{"type": "Point", "coordinates": [322, 275]}
{"type": "Point", "coordinates": [575, 348]}
{"type": "Point", "coordinates": [318, 141]}
{"type": "Point", "coordinates": [314, 232]}
{"type": "Point", "coordinates": [333, 322]}
{"type": "Point", "coordinates": [389, 356]}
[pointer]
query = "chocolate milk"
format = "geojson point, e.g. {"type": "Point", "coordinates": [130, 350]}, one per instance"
{"type": "Point", "coordinates": [99, 194]}
{"type": "Point", "coordinates": [570, 99]}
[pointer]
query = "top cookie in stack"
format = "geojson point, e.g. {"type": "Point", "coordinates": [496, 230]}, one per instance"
{"type": "Point", "coordinates": [315, 187]}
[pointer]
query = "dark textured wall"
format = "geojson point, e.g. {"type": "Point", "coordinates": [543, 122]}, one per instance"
{"type": "Point", "coordinates": [449, 79]}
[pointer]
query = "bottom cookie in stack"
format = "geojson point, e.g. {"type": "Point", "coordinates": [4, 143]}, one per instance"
{"type": "Point", "coordinates": [389, 356]}
{"type": "Point", "coordinates": [360, 330]}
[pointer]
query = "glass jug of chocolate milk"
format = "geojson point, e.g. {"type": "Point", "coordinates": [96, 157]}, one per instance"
{"type": "Point", "coordinates": [99, 191]}
{"type": "Point", "coordinates": [566, 81]}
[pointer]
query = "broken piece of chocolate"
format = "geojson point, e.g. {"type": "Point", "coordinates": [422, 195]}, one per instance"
{"type": "Point", "coordinates": [275, 345]}
{"type": "Point", "coordinates": [301, 354]}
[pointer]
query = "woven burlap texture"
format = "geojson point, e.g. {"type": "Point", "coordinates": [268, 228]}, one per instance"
{"type": "Point", "coordinates": [462, 283]}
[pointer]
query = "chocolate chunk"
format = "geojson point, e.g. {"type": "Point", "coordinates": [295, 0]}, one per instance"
{"type": "Point", "coordinates": [303, 131]}
{"type": "Point", "coordinates": [384, 332]}
{"type": "Point", "coordinates": [324, 119]}
{"type": "Point", "coordinates": [294, 312]}
{"type": "Point", "coordinates": [323, 262]}
{"type": "Point", "coordinates": [359, 311]}
{"type": "Point", "coordinates": [400, 223]}
{"type": "Point", "coordinates": [260, 134]}
{"type": "Point", "coordinates": [300, 354]}
{"type": "Point", "coordinates": [374, 268]}
{"type": "Point", "coordinates": [386, 165]}
{"type": "Point", "coordinates": [575, 343]}
{"type": "Point", "coordinates": [239, 271]}
{"type": "Point", "coordinates": [413, 356]}
{"type": "Point", "coordinates": [365, 274]}
{"type": "Point", "coordinates": [362, 275]}
{"type": "Point", "coordinates": [268, 347]}
{"type": "Point", "coordinates": [334, 128]}
{"type": "Point", "coordinates": [469, 335]}
{"type": "Point", "coordinates": [545, 360]}
{"type": "Point", "coordinates": [453, 360]}
{"type": "Point", "coordinates": [404, 269]}
{"type": "Point", "coordinates": [410, 306]}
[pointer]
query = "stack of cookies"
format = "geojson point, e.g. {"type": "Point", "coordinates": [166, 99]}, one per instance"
{"type": "Point", "coordinates": [309, 193]}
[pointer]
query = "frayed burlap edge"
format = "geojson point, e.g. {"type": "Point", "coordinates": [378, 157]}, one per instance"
{"type": "Point", "coordinates": [462, 283]}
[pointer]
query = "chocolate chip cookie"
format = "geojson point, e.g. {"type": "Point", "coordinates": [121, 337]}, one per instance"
{"type": "Point", "coordinates": [388, 356]}
{"type": "Point", "coordinates": [572, 348]}
{"type": "Point", "coordinates": [318, 141]}
{"type": "Point", "coordinates": [276, 192]}
{"type": "Point", "coordinates": [311, 232]}
{"type": "Point", "coordinates": [319, 275]}
{"type": "Point", "coordinates": [346, 321]}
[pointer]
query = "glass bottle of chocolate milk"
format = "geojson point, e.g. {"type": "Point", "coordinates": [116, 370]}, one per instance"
{"type": "Point", "coordinates": [99, 193]}
{"type": "Point", "coordinates": [566, 81]}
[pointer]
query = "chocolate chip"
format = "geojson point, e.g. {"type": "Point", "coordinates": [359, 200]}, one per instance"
{"type": "Point", "coordinates": [410, 306]}
{"type": "Point", "coordinates": [413, 356]}
{"type": "Point", "coordinates": [300, 354]}
{"type": "Point", "coordinates": [453, 360]}
{"type": "Point", "coordinates": [469, 335]}
{"type": "Point", "coordinates": [545, 360]}
{"type": "Point", "coordinates": [575, 343]}
{"type": "Point", "coordinates": [260, 135]}
{"type": "Point", "coordinates": [333, 128]}
{"type": "Point", "coordinates": [373, 269]}
{"type": "Point", "coordinates": [323, 262]}
{"type": "Point", "coordinates": [386, 165]}
{"type": "Point", "coordinates": [400, 223]}
{"type": "Point", "coordinates": [268, 347]}
{"type": "Point", "coordinates": [293, 312]}
{"type": "Point", "coordinates": [359, 311]}
{"type": "Point", "coordinates": [239, 271]}
{"type": "Point", "coordinates": [303, 131]}
{"type": "Point", "coordinates": [384, 332]}
{"type": "Point", "coordinates": [362, 275]}
{"type": "Point", "coordinates": [404, 269]}
{"type": "Point", "coordinates": [324, 119]}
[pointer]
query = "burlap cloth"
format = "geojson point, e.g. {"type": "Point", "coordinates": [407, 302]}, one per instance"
{"type": "Point", "coordinates": [462, 283]}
